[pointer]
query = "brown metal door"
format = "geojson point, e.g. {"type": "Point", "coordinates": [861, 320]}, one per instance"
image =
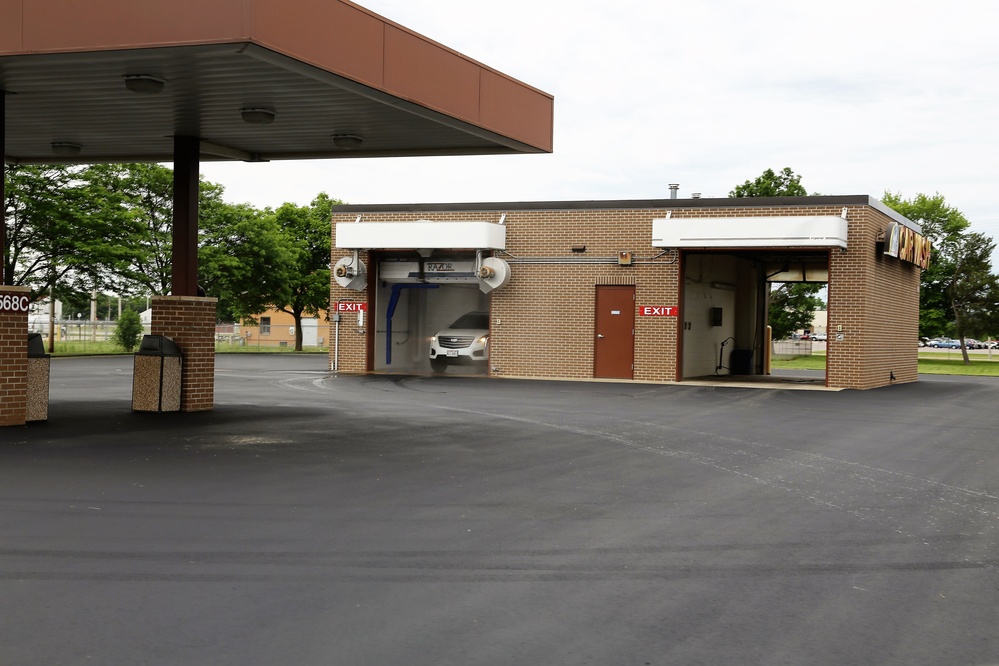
{"type": "Point", "coordinates": [614, 346]}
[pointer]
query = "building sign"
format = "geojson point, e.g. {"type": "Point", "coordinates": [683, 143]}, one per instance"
{"type": "Point", "coordinates": [658, 311]}
{"type": "Point", "coordinates": [351, 306]}
{"type": "Point", "coordinates": [14, 303]}
{"type": "Point", "coordinates": [905, 244]}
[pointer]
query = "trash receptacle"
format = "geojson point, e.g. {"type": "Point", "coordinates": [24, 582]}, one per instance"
{"type": "Point", "coordinates": [38, 379]}
{"type": "Point", "coordinates": [156, 375]}
{"type": "Point", "coordinates": [741, 362]}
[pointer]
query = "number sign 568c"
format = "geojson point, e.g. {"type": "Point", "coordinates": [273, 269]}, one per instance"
{"type": "Point", "coordinates": [14, 303]}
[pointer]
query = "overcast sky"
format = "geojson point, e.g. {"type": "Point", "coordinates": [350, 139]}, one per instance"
{"type": "Point", "coordinates": [856, 97]}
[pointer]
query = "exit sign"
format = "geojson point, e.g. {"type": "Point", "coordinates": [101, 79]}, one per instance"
{"type": "Point", "coordinates": [351, 306]}
{"type": "Point", "coordinates": [658, 311]}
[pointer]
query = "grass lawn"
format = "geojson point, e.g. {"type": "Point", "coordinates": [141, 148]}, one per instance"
{"type": "Point", "coordinates": [930, 363]}
{"type": "Point", "coordinates": [90, 348]}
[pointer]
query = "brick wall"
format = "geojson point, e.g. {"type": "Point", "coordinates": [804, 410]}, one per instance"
{"type": "Point", "coordinates": [876, 301]}
{"type": "Point", "coordinates": [13, 360]}
{"type": "Point", "coordinates": [349, 349]}
{"type": "Point", "coordinates": [543, 319]}
{"type": "Point", "coordinates": [190, 322]}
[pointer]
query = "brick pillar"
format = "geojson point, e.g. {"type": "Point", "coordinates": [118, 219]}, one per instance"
{"type": "Point", "coordinates": [190, 322]}
{"type": "Point", "coordinates": [13, 355]}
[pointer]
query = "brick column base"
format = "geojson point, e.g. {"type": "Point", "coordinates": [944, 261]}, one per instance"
{"type": "Point", "coordinates": [190, 322]}
{"type": "Point", "coordinates": [13, 355]}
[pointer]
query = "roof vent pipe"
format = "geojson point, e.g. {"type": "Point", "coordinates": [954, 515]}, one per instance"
{"type": "Point", "coordinates": [673, 187]}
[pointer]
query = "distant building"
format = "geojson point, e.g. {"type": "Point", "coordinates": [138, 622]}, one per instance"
{"type": "Point", "coordinates": [275, 328]}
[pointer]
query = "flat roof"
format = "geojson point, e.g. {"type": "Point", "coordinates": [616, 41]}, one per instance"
{"type": "Point", "coordinates": [320, 67]}
{"type": "Point", "coordinates": [633, 204]}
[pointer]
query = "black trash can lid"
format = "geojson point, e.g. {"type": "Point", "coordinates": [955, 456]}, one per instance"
{"type": "Point", "coordinates": [158, 345]}
{"type": "Point", "coordinates": [36, 346]}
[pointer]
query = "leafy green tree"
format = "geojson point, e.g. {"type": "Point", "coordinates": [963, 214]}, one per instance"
{"type": "Point", "coordinates": [65, 232]}
{"type": "Point", "coordinates": [253, 260]}
{"type": "Point", "coordinates": [128, 332]}
{"type": "Point", "coordinates": [770, 184]}
{"type": "Point", "coordinates": [957, 291]}
{"type": "Point", "coordinates": [244, 260]}
{"type": "Point", "coordinates": [144, 194]}
{"type": "Point", "coordinates": [792, 307]}
{"type": "Point", "coordinates": [308, 232]}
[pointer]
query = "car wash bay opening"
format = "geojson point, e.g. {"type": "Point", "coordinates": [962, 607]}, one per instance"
{"type": "Point", "coordinates": [650, 290]}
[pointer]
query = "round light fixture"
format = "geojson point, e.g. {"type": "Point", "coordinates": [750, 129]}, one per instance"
{"type": "Point", "coordinates": [144, 84]}
{"type": "Point", "coordinates": [66, 148]}
{"type": "Point", "coordinates": [347, 141]}
{"type": "Point", "coordinates": [258, 116]}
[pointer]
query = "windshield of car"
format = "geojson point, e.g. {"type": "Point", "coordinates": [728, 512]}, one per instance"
{"type": "Point", "coordinates": [472, 320]}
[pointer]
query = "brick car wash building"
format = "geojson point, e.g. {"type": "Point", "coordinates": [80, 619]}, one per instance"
{"type": "Point", "coordinates": [665, 290]}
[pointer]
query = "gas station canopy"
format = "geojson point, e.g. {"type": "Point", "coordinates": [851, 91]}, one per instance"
{"type": "Point", "coordinates": [253, 80]}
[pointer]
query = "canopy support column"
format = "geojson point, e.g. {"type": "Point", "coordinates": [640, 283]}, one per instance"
{"type": "Point", "coordinates": [186, 171]}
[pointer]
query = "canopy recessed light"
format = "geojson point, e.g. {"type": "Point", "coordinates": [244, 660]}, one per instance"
{"type": "Point", "coordinates": [143, 83]}
{"type": "Point", "coordinates": [347, 141]}
{"type": "Point", "coordinates": [66, 148]}
{"type": "Point", "coordinates": [257, 116]}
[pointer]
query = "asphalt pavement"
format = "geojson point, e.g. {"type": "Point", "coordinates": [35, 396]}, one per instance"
{"type": "Point", "coordinates": [400, 520]}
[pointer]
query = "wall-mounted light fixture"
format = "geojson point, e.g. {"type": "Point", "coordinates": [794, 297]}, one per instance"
{"type": "Point", "coordinates": [348, 141]}
{"type": "Point", "coordinates": [579, 248]}
{"type": "Point", "coordinates": [66, 148]}
{"type": "Point", "coordinates": [624, 258]}
{"type": "Point", "coordinates": [144, 84]}
{"type": "Point", "coordinates": [257, 116]}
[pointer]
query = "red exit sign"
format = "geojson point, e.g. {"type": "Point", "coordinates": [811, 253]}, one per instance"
{"type": "Point", "coordinates": [658, 311]}
{"type": "Point", "coordinates": [351, 306]}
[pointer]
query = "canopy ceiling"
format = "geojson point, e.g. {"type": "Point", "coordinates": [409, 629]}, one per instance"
{"type": "Point", "coordinates": [321, 67]}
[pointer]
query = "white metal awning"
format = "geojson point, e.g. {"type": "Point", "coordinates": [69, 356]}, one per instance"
{"type": "Point", "coordinates": [421, 234]}
{"type": "Point", "coordinates": [747, 232]}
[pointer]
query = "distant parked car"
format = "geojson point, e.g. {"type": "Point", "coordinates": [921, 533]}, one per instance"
{"type": "Point", "coordinates": [944, 343]}
{"type": "Point", "coordinates": [819, 337]}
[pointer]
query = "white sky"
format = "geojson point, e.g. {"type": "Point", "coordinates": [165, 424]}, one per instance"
{"type": "Point", "coordinates": [856, 97]}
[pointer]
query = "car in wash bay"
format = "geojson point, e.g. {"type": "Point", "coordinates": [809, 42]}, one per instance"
{"type": "Point", "coordinates": [464, 342]}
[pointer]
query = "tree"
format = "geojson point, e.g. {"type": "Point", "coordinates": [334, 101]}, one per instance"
{"type": "Point", "coordinates": [770, 184]}
{"type": "Point", "coordinates": [254, 260]}
{"type": "Point", "coordinates": [308, 231]}
{"type": "Point", "coordinates": [957, 291]}
{"type": "Point", "coordinates": [792, 307]}
{"type": "Point", "coordinates": [128, 331]}
{"type": "Point", "coordinates": [65, 230]}
{"type": "Point", "coordinates": [145, 198]}
{"type": "Point", "coordinates": [244, 260]}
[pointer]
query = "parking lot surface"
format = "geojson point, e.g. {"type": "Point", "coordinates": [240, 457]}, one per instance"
{"type": "Point", "coordinates": [383, 520]}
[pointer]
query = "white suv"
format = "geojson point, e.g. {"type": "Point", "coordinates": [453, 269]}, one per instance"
{"type": "Point", "coordinates": [466, 341]}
